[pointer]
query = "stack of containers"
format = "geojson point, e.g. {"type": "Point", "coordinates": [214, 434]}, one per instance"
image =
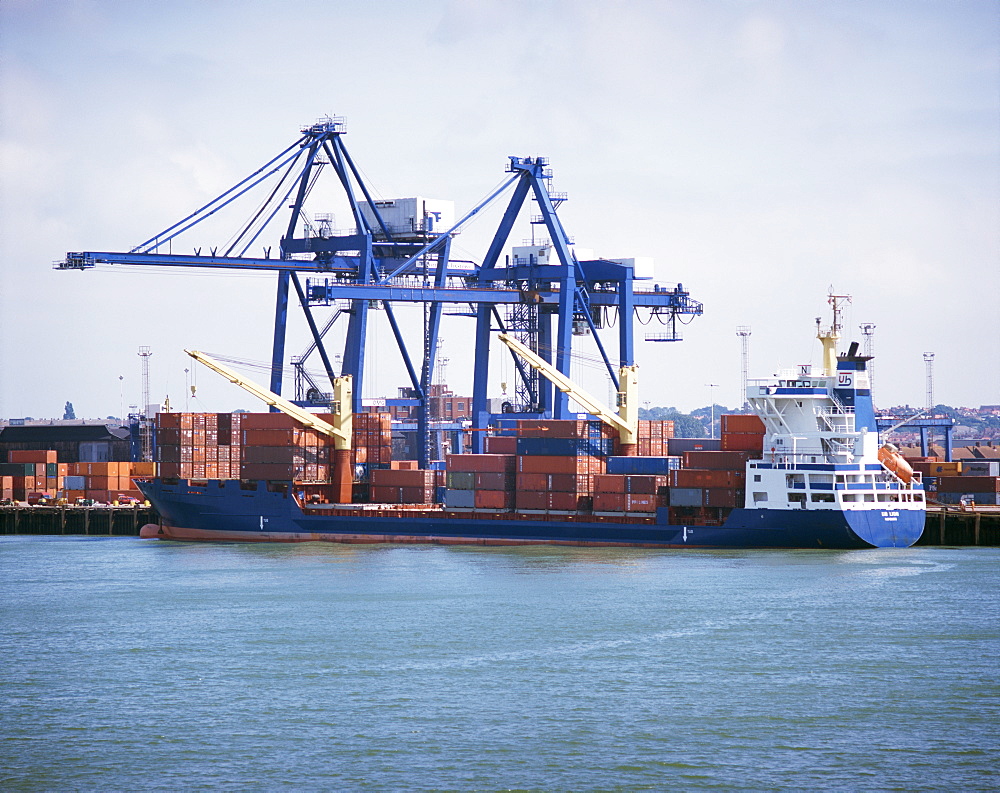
{"type": "Point", "coordinates": [372, 439]}
{"type": "Point", "coordinates": [105, 482]}
{"type": "Point", "coordinates": [277, 447]}
{"type": "Point", "coordinates": [32, 470]}
{"type": "Point", "coordinates": [557, 461]}
{"type": "Point", "coordinates": [200, 445]}
{"type": "Point", "coordinates": [711, 479]}
{"type": "Point", "coordinates": [480, 481]}
{"type": "Point", "coordinates": [402, 486]}
{"type": "Point", "coordinates": [979, 479]}
{"type": "Point", "coordinates": [653, 437]}
{"type": "Point", "coordinates": [6, 487]}
{"type": "Point", "coordinates": [742, 433]}
{"type": "Point", "coordinates": [616, 494]}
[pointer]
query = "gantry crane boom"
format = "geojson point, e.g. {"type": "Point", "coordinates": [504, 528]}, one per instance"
{"type": "Point", "coordinates": [340, 430]}
{"type": "Point", "coordinates": [625, 421]}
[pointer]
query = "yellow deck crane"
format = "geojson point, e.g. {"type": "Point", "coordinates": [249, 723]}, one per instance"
{"type": "Point", "coordinates": [340, 430]}
{"type": "Point", "coordinates": [626, 420]}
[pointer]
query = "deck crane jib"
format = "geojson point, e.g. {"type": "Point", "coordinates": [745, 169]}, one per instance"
{"type": "Point", "coordinates": [399, 251]}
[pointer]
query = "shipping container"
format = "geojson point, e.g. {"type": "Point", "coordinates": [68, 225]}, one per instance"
{"type": "Point", "coordinates": [640, 502]}
{"type": "Point", "coordinates": [461, 499]}
{"type": "Point", "coordinates": [686, 497]}
{"type": "Point", "coordinates": [494, 499]}
{"type": "Point", "coordinates": [677, 446]}
{"type": "Point", "coordinates": [980, 468]}
{"type": "Point", "coordinates": [482, 463]}
{"type": "Point", "coordinates": [31, 456]}
{"type": "Point", "coordinates": [719, 460]}
{"type": "Point", "coordinates": [703, 477]}
{"type": "Point", "coordinates": [609, 502]}
{"type": "Point", "coordinates": [492, 480]}
{"type": "Point", "coordinates": [742, 441]}
{"type": "Point", "coordinates": [501, 444]}
{"type": "Point", "coordinates": [397, 478]}
{"type": "Point", "coordinates": [741, 422]}
{"type": "Point", "coordinates": [968, 484]}
{"type": "Point", "coordinates": [461, 480]}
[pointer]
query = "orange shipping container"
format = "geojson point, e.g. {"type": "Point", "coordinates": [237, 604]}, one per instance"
{"type": "Point", "coordinates": [494, 499]}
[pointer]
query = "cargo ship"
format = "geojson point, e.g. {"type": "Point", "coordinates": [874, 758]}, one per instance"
{"type": "Point", "coordinates": [806, 469]}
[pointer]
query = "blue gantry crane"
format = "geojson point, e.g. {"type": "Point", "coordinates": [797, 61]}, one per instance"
{"type": "Point", "coordinates": [544, 302]}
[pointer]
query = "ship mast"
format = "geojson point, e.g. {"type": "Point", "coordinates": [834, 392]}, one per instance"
{"type": "Point", "coordinates": [829, 337]}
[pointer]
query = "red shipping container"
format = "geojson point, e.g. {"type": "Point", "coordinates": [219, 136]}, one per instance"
{"type": "Point", "coordinates": [742, 441]}
{"type": "Point", "coordinates": [609, 502]}
{"type": "Point", "coordinates": [741, 422]}
{"type": "Point", "coordinates": [501, 444]}
{"type": "Point", "coordinates": [168, 421]}
{"type": "Point", "coordinates": [382, 494]}
{"type": "Point", "coordinates": [264, 471]}
{"type": "Point", "coordinates": [416, 495]}
{"type": "Point", "coordinates": [532, 481]}
{"type": "Point", "coordinates": [390, 478]}
{"type": "Point", "coordinates": [724, 497]}
{"type": "Point", "coordinates": [608, 483]}
{"type": "Point", "coordinates": [568, 483]}
{"type": "Point", "coordinates": [968, 484]}
{"type": "Point", "coordinates": [718, 461]}
{"type": "Point", "coordinates": [31, 456]}
{"type": "Point", "coordinates": [267, 421]}
{"type": "Point", "coordinates": [494, 499]}
{"type": "Point", "coordinates": [404, 465]}
{"type": "Point", "coordinates": [703, 477]}
{"type": "Point", "coordinates": [484, 463]}
{"type": "Point", "coordinates": [546, 464]}
{"type": "Point", "coordinates": [494, 481]}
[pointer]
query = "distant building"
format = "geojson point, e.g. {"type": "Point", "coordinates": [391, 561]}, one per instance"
{"type": "Point", "coordinates": [75, 443]}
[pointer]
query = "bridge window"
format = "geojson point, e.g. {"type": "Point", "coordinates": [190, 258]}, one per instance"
{"type": "Point", "coordinates": [823, 498]}
{"type": "Point", "coordinates": [759, 497]}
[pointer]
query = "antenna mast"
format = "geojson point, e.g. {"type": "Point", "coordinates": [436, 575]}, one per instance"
{"type": "Point", "coordinates": [743, 331]}
{"type": "Point", "coordinates": [929, 363]}
{"type": "Point", "coordinates": [868, 330]}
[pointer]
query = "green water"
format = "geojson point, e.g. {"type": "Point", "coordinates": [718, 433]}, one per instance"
{"type": "Point", "coordinates": [144, 665]}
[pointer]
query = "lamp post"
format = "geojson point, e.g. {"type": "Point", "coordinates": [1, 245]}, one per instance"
{"type": "Point", "coordinates": [711, 424]}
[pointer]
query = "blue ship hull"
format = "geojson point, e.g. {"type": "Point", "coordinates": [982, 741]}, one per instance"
{"type": "Point", "coordinates": [224, 511]}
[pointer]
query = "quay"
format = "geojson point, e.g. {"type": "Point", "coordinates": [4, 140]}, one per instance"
{"type": "Point", "coordinates": [946, 525]}
{"type": "Point", "coordinates": [102, 520]}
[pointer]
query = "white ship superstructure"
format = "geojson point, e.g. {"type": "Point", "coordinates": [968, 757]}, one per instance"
{"type": "Point", "coordinates": [822, 448]}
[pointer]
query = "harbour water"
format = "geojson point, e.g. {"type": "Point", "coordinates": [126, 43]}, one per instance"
{"type": "Point", "coordinates": [143, 665]}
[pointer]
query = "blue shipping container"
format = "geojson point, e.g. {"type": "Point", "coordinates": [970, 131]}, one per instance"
{"type": "Point", "coordinates": [564, 447]}
{"type": "Point", "coordinates": [655, 466]}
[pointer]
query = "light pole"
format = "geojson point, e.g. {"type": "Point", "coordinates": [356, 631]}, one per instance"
{"type": "Point", "coordinates": [711, 424]}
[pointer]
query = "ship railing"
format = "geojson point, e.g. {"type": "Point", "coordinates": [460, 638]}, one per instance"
{"type": "Point", "coordinates": [837, 410]}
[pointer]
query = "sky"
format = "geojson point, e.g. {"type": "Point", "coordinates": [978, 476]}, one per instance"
{"type": "Point", "coordinates": [760, 152]}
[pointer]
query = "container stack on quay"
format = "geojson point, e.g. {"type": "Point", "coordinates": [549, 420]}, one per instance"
{"type": "Point", "coordinates": [32, 475]}
{"type": "Point", "coordinates": [949, 483]}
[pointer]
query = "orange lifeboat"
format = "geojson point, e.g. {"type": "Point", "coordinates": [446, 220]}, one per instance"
{"type": "Point", "coordinates": [890, 457]}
